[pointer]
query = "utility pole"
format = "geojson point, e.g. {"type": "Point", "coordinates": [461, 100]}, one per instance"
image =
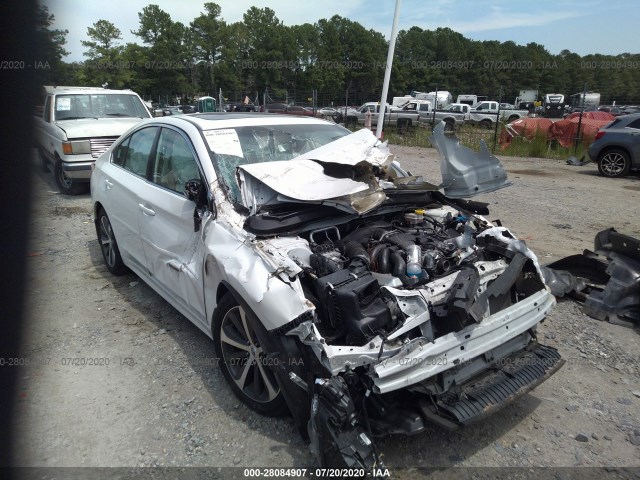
{"type": "Point", "coordinates": [435, 107]}
{"type": "Point", "coordinates": [387, 70]}
{"type": "Point", "coordinates": [495, 132]}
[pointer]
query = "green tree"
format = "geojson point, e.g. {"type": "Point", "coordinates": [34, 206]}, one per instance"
{"type": "Point", "coordinates": [49, 67]}
{"type": "Point", "coordinates": [168, 55]}
{"type": "Point", "coordinates": [265, 35]}
{"type": "Point", "coordinates": [104, 65]}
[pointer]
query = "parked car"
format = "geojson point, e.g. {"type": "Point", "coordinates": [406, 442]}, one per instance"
{"type": "Point", "coordinates": [77, 124]}
{"type": "Point", "coordinates": [486, 113]}
{"type": "Point", "coordinates": [239, 107]}
{"type": "Point", "coordinates": [616, 148]}
{"type": "Point", "coordinates": [298, 110]}
{"type": "Point", "coordinates": [612, 109]}
{"type": "Point", "coordinates": [171, 111]}
{"type": "Point", "coordinates": [327, 112]}
{"type": "Point", "coordinates": [189, 108]}
{"type": "Point", "coordinates": [628, 110]}
{"type": "Point", "coordinates": [274, 108]}
{"type": "Point", "coordinates": [334, 286]}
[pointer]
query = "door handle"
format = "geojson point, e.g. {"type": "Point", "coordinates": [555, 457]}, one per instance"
{"type": "Point", "coordinates": [146, 210]}
{"type": "Point", "coordinates": [174, 265]}
{"type": "Point", "coordinates": [108, 184]}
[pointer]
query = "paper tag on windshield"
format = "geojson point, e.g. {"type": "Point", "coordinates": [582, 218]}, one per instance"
{"type": "Point", "coordinates": [63, 103]}
{"type": "Point", "coordinates": [224, 142]}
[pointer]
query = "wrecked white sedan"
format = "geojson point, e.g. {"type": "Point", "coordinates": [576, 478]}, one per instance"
{"type": "Point", "coordinates": [336, 287]}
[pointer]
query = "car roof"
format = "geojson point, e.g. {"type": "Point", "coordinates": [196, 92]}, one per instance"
{"type": "Point", "coordinates": [78, 90]}
{"type": "Point", "coordinates": [210, 121]}
{"type": "Point", "coordinates": [627, 119]}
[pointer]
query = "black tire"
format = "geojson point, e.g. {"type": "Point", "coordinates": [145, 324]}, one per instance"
{"type": "Point", "coordinates": [614, 163]}
{"type": "Point", "coordinates": [449, 126]}
{"type": "Point", "coordinates": [109, 245]}
{"type": "Point", "coordinates": [243, 361]}
{"type": "Point", "coordinates": [67, 185]}
{"type": "Point", "coordinates": [513, 118]}
{"type": "Point", "coordinates": [486, 124]}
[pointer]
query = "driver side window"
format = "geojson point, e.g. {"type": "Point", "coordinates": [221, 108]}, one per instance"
{"type": "Point", "coordinates": [174, 163]}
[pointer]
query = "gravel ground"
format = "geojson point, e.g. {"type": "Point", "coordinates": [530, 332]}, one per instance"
{"type": "Point", "coordinates": [153, 395]}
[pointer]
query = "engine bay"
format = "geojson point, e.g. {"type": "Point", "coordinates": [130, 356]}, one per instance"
{"type": "Point", "coordinates": [356, 271]}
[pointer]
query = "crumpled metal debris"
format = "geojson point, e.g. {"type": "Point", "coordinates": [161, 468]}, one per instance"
{"type": "Point", "coordinates": [606, 280]}
{"type": "Point", "coordinates": [466, 173]}
{"type": "Point", "coordinates": [577, 162]}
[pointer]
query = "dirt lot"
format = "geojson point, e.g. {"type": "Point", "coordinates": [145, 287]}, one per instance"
{"type": "Point", "coordinates": [146, 390]}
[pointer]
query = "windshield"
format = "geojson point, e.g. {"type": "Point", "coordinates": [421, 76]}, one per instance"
{"type": "Point", "coordinates": [231, 147]}
{"type": "Point", "coordinates": [98, 105]}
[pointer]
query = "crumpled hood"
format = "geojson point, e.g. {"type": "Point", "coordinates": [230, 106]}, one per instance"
{"type": "Point", "coordinates": [304, 178]}
{"type": "Point", "coordinates": [101, 127]}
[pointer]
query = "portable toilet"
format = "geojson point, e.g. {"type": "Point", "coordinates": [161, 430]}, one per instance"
{"type": "Point", "coordinates": [206, 104]}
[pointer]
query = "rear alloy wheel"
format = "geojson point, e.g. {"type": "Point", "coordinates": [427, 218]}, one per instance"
{"type": "Point", "coordinates": [245, 364]}
{"type": "Point", "coordinates": [614, 163]}
{"type": "Point", "coordinates": [66, 184]}
{"type": "Point", "coordinates": [109, 246]}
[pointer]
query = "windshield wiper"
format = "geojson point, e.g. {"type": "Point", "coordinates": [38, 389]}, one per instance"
{"type": "Point", "coordinates": [75, 118]}
{"type": "Point", "coordinates": [118, 114]}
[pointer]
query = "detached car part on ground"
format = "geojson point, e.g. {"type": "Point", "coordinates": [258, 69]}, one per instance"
{"type": "Point", "coordinates": [607, 281]}
{"type": "Point", "coordinates": [335, 285]}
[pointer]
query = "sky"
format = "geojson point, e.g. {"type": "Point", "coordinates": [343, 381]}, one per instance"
{"type": "Point", "coordinates": [583, 27]}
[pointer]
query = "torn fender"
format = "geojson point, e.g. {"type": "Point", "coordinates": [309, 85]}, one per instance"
{"type": "Point", "coordinates": [273, 294]}
{"type": "Point", "coordinates": [466, 173]}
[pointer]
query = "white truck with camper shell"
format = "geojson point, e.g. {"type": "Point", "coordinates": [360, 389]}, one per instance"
{"type": "Point", "coordinates": [440, 99]}
{"type": "Point", "coordinates": [486, 113]}
{"type": "Point", "coordinates": [468, 99]}
{"type": "Point", "coordinates": [77, 124]}
{"type": "Point", "coordinates": [526, 99]}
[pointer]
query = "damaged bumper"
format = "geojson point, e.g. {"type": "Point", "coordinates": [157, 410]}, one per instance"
{"type": "Point", "coordinates": [455, 349]}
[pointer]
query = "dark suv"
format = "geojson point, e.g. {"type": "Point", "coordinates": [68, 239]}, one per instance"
{"type": "Point", "coordinates": [616, 148]}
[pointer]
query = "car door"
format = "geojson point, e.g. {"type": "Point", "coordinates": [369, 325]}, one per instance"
{"type": "Point", "coordinates": [634, 145]}
{"type": "Point", "coordinates": [174, 252]}
{"type": "Point", "coordinates": [124, 176]}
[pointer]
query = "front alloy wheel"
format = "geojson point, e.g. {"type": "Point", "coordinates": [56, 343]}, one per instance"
{"type": "Point", "coordinates": [614, 163]}
{"type": "Point", "coordinates": [244, 362]}
{"type": "Point", "coordinates": [109, 246]}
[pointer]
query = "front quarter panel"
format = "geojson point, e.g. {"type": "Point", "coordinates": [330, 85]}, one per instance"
{"type": "Point", "coordinates": [234, 258]}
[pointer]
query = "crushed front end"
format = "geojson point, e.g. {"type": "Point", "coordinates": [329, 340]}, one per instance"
{"type": "Point", "coordinates": [422, 315]}
{"type": "Point", "coordinates": [419, 309]}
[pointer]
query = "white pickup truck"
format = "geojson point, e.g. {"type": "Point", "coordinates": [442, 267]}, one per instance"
{"type": "Point", "coordinates": [454, 115]}
{"type": "Point", "coordinates": [400, 118]}
{"type": "Point", "coordinates": [77, 124]}
{"type": "Point", "coordinates": [486, 113]}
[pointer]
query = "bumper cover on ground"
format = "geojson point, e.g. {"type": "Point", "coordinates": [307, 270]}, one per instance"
{"type": "Point", "coordinates": [507, 382]}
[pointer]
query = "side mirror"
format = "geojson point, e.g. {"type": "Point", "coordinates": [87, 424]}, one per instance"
{"type": "Point", "coordinates": [195, 191]}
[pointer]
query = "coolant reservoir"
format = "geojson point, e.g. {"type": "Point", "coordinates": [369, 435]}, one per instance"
{"type": "Point", "coordinates": [411, 219]}
{"type": "Point", "coordinates": [440, 214]}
